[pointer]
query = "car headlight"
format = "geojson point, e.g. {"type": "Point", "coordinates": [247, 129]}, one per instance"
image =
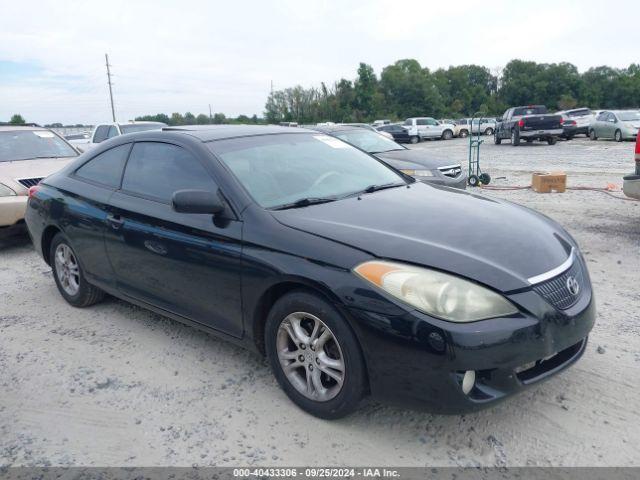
{"type": "Point", "coordinates": [435, 293]}
{"type": "Point", "coordinates": [6, 191]}
{"type": "Point", "coordinates": [418, 173]}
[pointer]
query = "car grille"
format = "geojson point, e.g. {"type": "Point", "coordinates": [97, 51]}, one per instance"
{"type": "Point", "coordinates": [556, 290]}
{"type": "Point", "coordinates": [452, 171]}
{"type": "Point", "coordinates": [29, 182]}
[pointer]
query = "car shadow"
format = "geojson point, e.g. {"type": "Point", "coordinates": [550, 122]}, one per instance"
{"type": "Point", "coordinates": [14, 237]}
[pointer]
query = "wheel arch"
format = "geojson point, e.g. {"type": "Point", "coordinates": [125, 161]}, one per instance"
{"type": "Point", "coordinates": [46, 239]}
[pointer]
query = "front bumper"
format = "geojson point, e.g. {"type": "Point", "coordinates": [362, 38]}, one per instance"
{"type": "Point", "coordinates": [12, 209]}
{"type": "Point", "coordinates": [458, 182]}
{"type": "Point", "coordinates": [419, 361]}
{"type": "Point", "coordinates": [631, 186]}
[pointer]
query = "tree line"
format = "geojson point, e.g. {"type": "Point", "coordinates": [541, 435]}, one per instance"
{"type": "Point", "coordinates": [200, 119]}
{"type": "Point", "coordinates": [406, 89]}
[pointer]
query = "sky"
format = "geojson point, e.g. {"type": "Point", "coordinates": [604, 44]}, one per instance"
{"type": "Point", "coordinates": [179, 56]}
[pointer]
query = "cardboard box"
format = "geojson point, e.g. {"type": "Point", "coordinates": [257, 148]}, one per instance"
{"type": "Point", "coordinates": [545, 182]}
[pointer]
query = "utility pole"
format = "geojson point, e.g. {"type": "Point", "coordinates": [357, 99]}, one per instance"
{"type": "Point", "coordinates": [271, 87]}
{"type": "Point", "coordinates": [113, 111]}
{"type": "Point", "coordinates": [210, 116]}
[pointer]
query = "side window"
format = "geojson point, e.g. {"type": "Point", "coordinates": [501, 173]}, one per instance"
{"type": "Point", "coordinates": [430, 121]}
{"type": "Point", "coordinates": [113, 132]}
{"type": "Point", "coordinates": [157, 170]}
{"type": "Point", "coordinates": [101, 134]}
{"type": "Point", "coordinates": [421, 121]}
{"type": "Point", "coordinates": [505, 117]}
{"type": "Point", "coordinates": [106, 168]}
{"type": "Point", "coordinates": [602, 116]}
{"type": "Point", "coordinates": [408, 122]}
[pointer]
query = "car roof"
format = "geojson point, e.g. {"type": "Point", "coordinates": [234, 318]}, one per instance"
{"type": "Point", "coordinates": [9, 128]}
{"type": "Point", "coordinates": [337, 128]}
{"type": "Point", "coordinates": [207, 133]}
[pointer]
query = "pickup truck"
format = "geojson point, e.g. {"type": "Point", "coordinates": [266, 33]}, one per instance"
{"type": "Point", "coordinates": [105, 131]}
{"type": "Point", "coordinates": [528, 123]}
{"type": "Point", "coordinates": [421, 128]}
{"type": "Point", "coordinates": [631, 185]}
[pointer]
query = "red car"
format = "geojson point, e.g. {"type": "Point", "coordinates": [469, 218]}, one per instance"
{"type": "Point", "coordinates": [631, 184]}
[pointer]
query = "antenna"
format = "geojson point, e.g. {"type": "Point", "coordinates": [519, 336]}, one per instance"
{"type": "Point", "coordinates": [113, 111]}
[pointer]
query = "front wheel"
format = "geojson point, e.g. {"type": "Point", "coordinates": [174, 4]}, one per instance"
{"type": "Point", "coordinates": [69, 276]}
{"type": "Point", "coordinates": [488, 131]}
{"type": "Point", "coordinates": [617, 136]}
{"type": "Point", "coordinates": [314, 355]}
{"type": "Point", "coordinates": [414, 139]}
{"type": "Point", "coordinates": [463, 134]}
{"type": "Point", "coordinates": [552, 140]}
{"type": "Point", "coordinates": [592, 135]}
{"type": "Point", "coordinates": [496, 138]}
{"type": "Point", "coordinates": [447, 135]}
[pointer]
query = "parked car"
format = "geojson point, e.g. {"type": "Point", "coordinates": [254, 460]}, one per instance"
{"type": "Point", "coordinates": [464, 126]}
{"type": "Point", "coordinates": [397, 132]}
{"type": "Point", "coordinates": [631, 185]}
{"type": "Point", "coordinates": [351, 278]}
{"type": "Point", "coordinates": [415, 163]}
{"type": "Point", "coordinates": [378, 123]}
{"type": "Point", "coordinates": [528, 123]}
{"type": "Point", "coordinates": [583, 117]}
{"type": "Point", "coordinates": [421, 128]}
{"type": "Point", "coordinates": [366, 126]}
{"type": "Point", "coordinates": [569, 126]}
{"type": "Point", "coordinates": [27, 155]}
{"type": "Point", "coordinates": [106, 131]}
{"type": "Point", "coordinates": [616, 124]}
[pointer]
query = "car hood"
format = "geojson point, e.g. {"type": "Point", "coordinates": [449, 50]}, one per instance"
{"type": "Point", "coordinates": [10, 172]}
{"type": "Point", "coordinates": [412, 159]}
{"type": "Point", "coordinates": [491, 241]}
{"type": "Point", "coordinates": [632, 123]}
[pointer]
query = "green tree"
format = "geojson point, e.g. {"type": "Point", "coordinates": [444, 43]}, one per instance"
{"type": "Point", "coordinates": [17, 119]}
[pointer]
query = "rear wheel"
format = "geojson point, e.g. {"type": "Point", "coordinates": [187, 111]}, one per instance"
{"type": "Point", "coordinates": [515, 137]}
{"type": "Point", "coordinates": [463, 134]}
{"type": "Point", "coordinates": [414, 139]}
{"type": "Point", "coordinates": [314, 355]}
{"type": "Point", "coordinates": [447, 135]}
{"type": "Point", "coordinates": [69, 276]}
{"type": "Point", "coordinates": [592, 134]}
{"type": "Point", "coordinates": [617, 136]}
{"type": "Point", "coordinates": [552, 140]}
{"type": "Point", "coordinates": [488, 131]}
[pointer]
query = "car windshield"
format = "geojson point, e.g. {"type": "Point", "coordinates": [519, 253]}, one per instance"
{"type": "Point", "coordinates": [368, 141]}
{"type": "Point", "coordinates": [32, 144]}
{"type": "Point", "coordinates": [141, 127]}
{"type": "Point", "coordinates": [278, 170]}
{"type": "Point", "coordinates": [629, 116]}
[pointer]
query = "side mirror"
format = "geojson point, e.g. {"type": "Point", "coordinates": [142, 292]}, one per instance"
{"type": "Point", "coordinates": [196, 201]}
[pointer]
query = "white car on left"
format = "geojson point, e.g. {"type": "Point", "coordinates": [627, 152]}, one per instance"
{"type": "Point", "coordinates": [27, 155]}
{"type": "Point", "coordinates": [105, 131]}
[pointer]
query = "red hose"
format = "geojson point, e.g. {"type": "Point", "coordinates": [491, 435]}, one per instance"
{"type": "Point", "coordinates": [592, 189]}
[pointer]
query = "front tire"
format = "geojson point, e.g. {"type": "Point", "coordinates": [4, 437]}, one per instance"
{"type": "Point", "coordinates": [617, 136]}
{"type": "Point", "coordinates": [463, 134]}
{"type": "Point", "coordinates": [414, 139]}
{"type": "Point", "coordinates": [496, 138]}
{"type": "Point", "coordinates": [592, 135]}
{"type": "Point", "coordinates": [447, 135]}
{"type": "Point", "coordinates": [488, 131]}
{"type": "Point", "coordinates": [552, 140]}
{"type": "Point", "coordinates": [69, 275]}
{"type": "Point", "coordinates": [315, 356]}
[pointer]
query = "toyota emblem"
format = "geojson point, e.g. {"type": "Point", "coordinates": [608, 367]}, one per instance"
{"type": "Point", "coordinates": [573, 286]}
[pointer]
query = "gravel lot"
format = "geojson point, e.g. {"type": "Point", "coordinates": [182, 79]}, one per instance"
{"type": "Point", "coordinates": [116, 385]}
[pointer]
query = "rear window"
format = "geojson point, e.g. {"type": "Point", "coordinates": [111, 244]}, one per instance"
{"type": "Point", "coordinates": [106, 168]}
{"type": "Point", "coordinates": [33, 144]}
{"type": "Point", "coordinates": [583, 112]}
{"type": "Point", "coordinates": [532, 110]}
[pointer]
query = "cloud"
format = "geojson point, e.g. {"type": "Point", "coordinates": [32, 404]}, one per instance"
{"type": "Point", "coordinates": [170, 56]}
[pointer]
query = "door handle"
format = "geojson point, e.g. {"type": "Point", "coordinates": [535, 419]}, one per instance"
{"type": "Point", "coordinates": [115, 221]}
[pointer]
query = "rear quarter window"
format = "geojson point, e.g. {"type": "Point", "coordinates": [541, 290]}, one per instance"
{"type": "Point", "coordinates": [105, 168]}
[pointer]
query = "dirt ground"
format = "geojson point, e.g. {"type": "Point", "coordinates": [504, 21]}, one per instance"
{"type": "Point", "coordinates": [115, 385]}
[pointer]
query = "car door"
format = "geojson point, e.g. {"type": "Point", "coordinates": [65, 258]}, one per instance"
{"type": "Point", "coordinates": [609, 125]}
{"type": "Point", "coordinates": [186, 264]}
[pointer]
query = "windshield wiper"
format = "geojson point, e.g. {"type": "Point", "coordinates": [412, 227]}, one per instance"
{"type": "Point", "coordinates": [375, 188]}
{"type": "Point", "coordinates": [305, 202]}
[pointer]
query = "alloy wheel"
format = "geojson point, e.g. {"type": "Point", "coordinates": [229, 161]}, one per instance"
{"type": "Point", "coordinates": [67, 269]}
{"type": "Point", "coordinates": [310, 356]}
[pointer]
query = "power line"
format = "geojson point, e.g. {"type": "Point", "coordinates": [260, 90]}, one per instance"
{"type": "Point", "coordinates": [113, 111]}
